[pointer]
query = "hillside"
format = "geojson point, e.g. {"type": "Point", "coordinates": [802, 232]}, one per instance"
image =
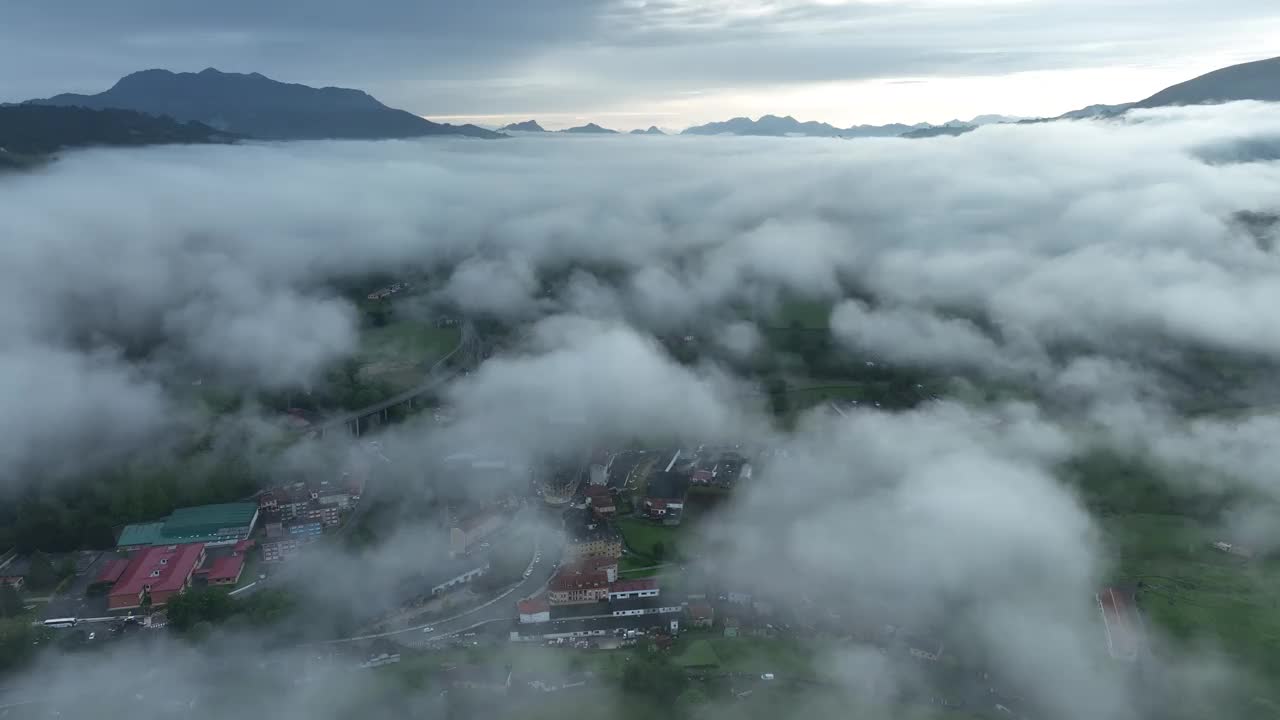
{"type": "Point", "coordinates": [1249, 81]}
{"type": "Point", "coordinates": [259, 107]}
{"type": "Point", "coordinates": [526, 126]}
{"type": "Point", "coordinates": [30, 130]}
{"type": "Point", "coordinates": [653, 130]}
{"type": "Point", "coordinates": [775, 126]}
{"type": "Point", "coordinates": [590, 128]}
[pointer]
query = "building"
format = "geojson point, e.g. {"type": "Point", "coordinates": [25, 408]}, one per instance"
{"type": "Point", "coordinates": [281, 550]}
{"type": "Point", "coordinates": [602, 503]}
{"type": "Point", "coordinates": [534, 610]}
{"type": "Point", "coordinates": [14, 571]}
{"type": "Point", "coordinates": [597, 564]}
{"type": "Point", "coordinates": [471, 531]}
{"type": "Point", "coordinates": [593, 540]}
{"type": "Point", "coordinates": [227, 524]}
{"type": "Point", "coordinates": [599, 477]}
{"type": "Point", "coordinates": [456, 574]}
{"type": "Point", "coordinates": [638, 588]}
{"type": "Point", "coordinates": [157, 573]}
{"type": "Point", "coordinates": [665, 495]}
{"type": "Point", "coordinates": [570, 589]}
{"type": "Point", "coordinates": [312, 529]}
{"type": "Point", "coordinates": [596, 627]}
{"type": "Point", "coordinates": [224, 566]}
{"type": "Point", "coordinates": [730, 627]}
{"type": "Point", "coordinates": [701, 615]}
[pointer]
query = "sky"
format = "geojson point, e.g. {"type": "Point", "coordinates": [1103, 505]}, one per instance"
{"type": "Point", "coordinates": [671, 63]}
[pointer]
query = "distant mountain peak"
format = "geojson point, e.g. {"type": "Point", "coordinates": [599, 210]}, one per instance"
{"type": "Point", "coordinates": [254, 105]}
{"type": "Point", "coordinates": [590, 128]}
{"type": "Point", "coordinates": [653, 130]}
{"type": "Point", "coordinates": [526, 126]}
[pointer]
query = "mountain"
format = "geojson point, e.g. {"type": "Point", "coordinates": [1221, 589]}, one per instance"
{"type": "Point", "coordinates": [259, 107]}
{"type": "Point", "coordinates": [590, 128]}
{"type": "Point", "coordinates": [1094, 111]}
{"type": "Point", "coordinates": [526, 126]}
{"type": "Point", "coordinates": [767, 125]}
{"type": "Point", "coordinates": [940, 131]}
{"type": "Point", "coordinates": [653, 130]}
{"type": "Point", "coordinates": [981, 120]}
{"type": "Point", "coordinates": [32, 130]}
{"type": "Point", "coordinates": [774, 126]}
{"type": "Point", "coordinates": [1248, 81]}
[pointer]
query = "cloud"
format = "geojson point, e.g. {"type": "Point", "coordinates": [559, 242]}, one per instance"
{"type": "Point", "coordinates": [1090, 260]}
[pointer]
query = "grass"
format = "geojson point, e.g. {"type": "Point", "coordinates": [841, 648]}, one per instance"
{"type": "Point", "coordinates": [811, 314]}
{"type": "Point", "coordinates": [641, 535]}
{"type": "Point", "coordinates": [699, 654]}
{"type": "Point", "coordinates": [252, 561]}
{"type": "Point", "coordinates": [402, 350]}
{"type": "Point", "coordinates": [1198, 594]}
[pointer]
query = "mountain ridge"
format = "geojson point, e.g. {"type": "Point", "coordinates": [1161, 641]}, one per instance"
{"type": "Point", "coordinates": [256, 106]}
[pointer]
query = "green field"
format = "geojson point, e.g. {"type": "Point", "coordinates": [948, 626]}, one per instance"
{"type": "Point", "coordinates": [401, 351]}
{"type": "Point", "coordinates": [1199, 594]}
{"type": "Point", "coordinates": [812, 314]}
{"type": "Point", "coordinates": [641, 536]}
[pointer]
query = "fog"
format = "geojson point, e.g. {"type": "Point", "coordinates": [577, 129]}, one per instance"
{"type": "Point", "coordinates": [1089, 264]}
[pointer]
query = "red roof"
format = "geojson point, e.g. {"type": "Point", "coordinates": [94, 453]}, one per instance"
{"type": "Point", "coordinates": [579, 581]}
{"type": "Point", "coordinates": [589, 565]}
{"type": "Point", "coordinates": [633, 585]}
{"type": "Point", "coordinates": [244, 545]}
{"type": "Point", "coordinates": [701, 610]}
{"type": "Point", "coordinates": [656, 503]}
{"type": "Point", "coordinates": [534, 605]}
{"type": "Point", "coordinates": [163, 568]}
{"type": "Point", "coordinates": [112, 572]}
{"type": "Point", "coordinates": [703, 475]}
{"type": "Point", "coordinates": [596, 490]}
{"type": "Point", "coordinates": [227, 567]}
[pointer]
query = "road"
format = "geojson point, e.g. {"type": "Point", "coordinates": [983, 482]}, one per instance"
{"type": "Point", "coordinates": [437, 375]}
{"type": "Point", "coordinates": [501, 607]}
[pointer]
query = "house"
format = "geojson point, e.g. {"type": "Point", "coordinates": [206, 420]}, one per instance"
{"type": "Point", "coordinates": [470, 531]}
{"type": "Point", "coordinates": [14, 571]}
{"type": "Point", "coordinates": [157, 573]}
{"type": "Point", "coordinates": [1235, 549]}
{"type": "Point", "coordinates": [575, 588]}
{"type": "Point", "coordinates": [597, 564]}
{"type": "Point", "coordinates": [534, 610]}
{"type": "Point", "coordinates": [596, 539]}
{"type": "Point", "coordinates": [665, 495]}
{"type": "Point", "coordinates": [599, 477]}
{"type": "Point", "coordinates": [731, 627]}
{"type": "Point", "coordinates": [110, 574]}
{"type": "Point", "coordinates": [638, 588]}
{"type": "Point", "coordinates": [224, 566]}
{"type": "Point", "coordinates": [701, 615]}
{"type": "Point", "coordinates": [602, 506]}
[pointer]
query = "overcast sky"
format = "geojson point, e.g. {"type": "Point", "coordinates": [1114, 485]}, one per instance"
{"type": "Point", "coordinates": [632, 63]}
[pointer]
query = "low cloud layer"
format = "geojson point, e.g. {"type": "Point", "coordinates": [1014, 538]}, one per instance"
{"type": "Point", "coordinates": [1090, 266]}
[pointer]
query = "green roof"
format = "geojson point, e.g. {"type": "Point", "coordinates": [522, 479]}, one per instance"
{"type": "Point", "coordinates": [207, 521]}
{"type": "Point", "coordinates": [140, 534]}
{"type": "Point", "coordinates": [202, 523]}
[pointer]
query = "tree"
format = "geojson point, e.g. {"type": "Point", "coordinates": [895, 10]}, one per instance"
{"type": "Point", "coordinates": [659, 551]}
{"type": "Point", "coordinates": [10, 601]}
{"type": "Point", "coordinates": [689, 702]}
{"type": "Point", "coordinates": [777, 389]}
{"type": "Point", "coordinates": [41, 575]}
{"type": "Point", "coordinates": [653, 675]}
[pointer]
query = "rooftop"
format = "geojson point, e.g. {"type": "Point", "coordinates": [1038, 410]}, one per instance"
{"type": "Point", "coordinates": [163, 568]}
{"type": "Point", "coordinates": [530, 606]}
{"type": "Point", "coordinates": [579, 581]}
{"type": "Point", "coordinates": [634, 585]}
{"type": "Point", "coordinates": [112, 571]}
{"type": "Point", "coordinates": [206, 519]}
{"type": "Point", "coordinates": [668, 486]}
{"type": "Point", "coordinates": [140, 534]}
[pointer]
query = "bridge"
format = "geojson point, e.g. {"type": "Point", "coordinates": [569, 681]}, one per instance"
{"type": "Point", "coordinates": [357, 422]}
